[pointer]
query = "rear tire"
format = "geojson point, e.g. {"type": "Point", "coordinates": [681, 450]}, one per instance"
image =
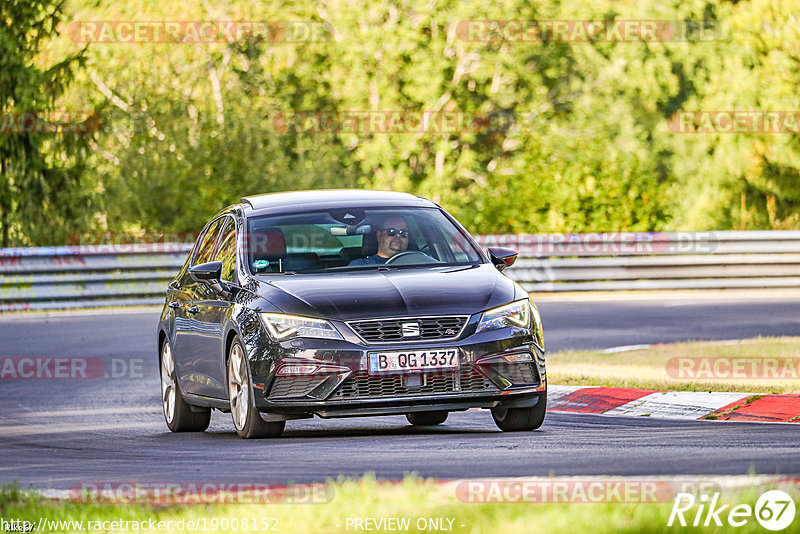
{"type": "Point", "coordinates": [520, 419]}
{"type": "Point", "coordinates": [427, 418]}
{"type": "Point", "coordinates": [179, 414]}
{"type": "Point", "coordinates": [246, 417]}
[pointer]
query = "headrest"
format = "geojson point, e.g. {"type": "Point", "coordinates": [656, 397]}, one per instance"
{"type": "Point", "coordinates": [267, 243]}
{"type": "Point", "coordinates": [369, 244]}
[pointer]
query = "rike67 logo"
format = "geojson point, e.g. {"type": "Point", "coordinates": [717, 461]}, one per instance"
{"type": "Point", "coordinates": [774, 510]}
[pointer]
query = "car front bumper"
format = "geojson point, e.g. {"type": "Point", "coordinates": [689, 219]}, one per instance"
{"type": "Point", "coordinates": [342, 386]}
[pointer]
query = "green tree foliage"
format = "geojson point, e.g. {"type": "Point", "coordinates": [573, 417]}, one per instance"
{"type": "Point", "coordinates": [571, 136]}
{"type": "Point", "coordinates": [761, 73]}
{"type": "Point", "coordinates": [44, 187]}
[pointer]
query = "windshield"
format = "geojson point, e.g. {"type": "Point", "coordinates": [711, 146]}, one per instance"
{"type": "Point", "coordinates": [350, 239]}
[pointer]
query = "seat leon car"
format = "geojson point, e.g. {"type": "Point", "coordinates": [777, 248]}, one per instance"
{"type": "Point", "coordinates": [346, 303]}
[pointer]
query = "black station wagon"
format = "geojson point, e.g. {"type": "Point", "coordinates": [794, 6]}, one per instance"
{"type": "Point", "coordinates": [346, 303]}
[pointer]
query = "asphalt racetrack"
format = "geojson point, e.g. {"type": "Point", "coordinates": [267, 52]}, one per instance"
{"type": "Point", "coordinates": [55, 433]}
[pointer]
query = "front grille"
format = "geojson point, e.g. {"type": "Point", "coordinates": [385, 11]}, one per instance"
{"type": "Point", "coordinates": [518, 373]}
{"type": "Point", "coordinates": [292, 388]}
{"type": "Point", "coordinates": [472, 380]}
{"type": "Point", "coordinates": [365, 386]}
{"type": "Point", "coordinates": [391, 330]}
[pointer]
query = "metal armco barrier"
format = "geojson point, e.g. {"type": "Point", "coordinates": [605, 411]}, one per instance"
{"type": "Point", "coordinates": [660, 260]}
{"type": "Point", "coordinates": [41, 278]}
{"type": "Point", "coordinates": [121, 275]}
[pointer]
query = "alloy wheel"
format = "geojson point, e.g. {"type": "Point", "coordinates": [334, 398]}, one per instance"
{"type": "Point", "coordinates": [168, 383]}
{"type": "Point", "coordinates": [238, 387]}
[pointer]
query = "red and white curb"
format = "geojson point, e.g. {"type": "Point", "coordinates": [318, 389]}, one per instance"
{"type": "Point", "coordinates": [674, 404]}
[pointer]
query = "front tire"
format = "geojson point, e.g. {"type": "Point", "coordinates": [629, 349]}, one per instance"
{"type": "Point", "coordinates": [427, 418]}
{"type": "Point", "coordinates": [520, 419]}
{"type": "Point", "coordinates": [246, 417]}
{"type": "Point", "coordinates": [179, 414]}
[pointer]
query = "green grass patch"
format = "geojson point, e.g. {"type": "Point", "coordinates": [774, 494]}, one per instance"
{"type": "Point", "coordinates": [765, 365]}
{"type": "Point", "coordinates": [413, 500]}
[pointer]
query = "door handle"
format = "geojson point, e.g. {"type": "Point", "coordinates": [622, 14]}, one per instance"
{"type": "Point", "coordinates": [193, 309]}
{"type": "Point", "coordinates": [174, 305]}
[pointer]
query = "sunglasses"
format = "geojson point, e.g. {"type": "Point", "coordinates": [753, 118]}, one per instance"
{"type": "Point", "coordinates": [391, 232]}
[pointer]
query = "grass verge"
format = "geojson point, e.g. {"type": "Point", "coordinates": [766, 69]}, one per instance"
{"type": "Point", "coordinates": [759, 365]}
{"type": "Point", "coordinates": [413, 500]}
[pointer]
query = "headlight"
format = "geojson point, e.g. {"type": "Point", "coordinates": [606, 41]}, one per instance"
{"type": "Point", "coordinates": [514, 314]}
{"type": "Point", "coordinates": [282, 327]}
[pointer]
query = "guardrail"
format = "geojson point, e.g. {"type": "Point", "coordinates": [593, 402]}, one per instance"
{"type": "Point", "coordinates": [123, 275]}
{"type": "Point", "coordinates": [661, 260]}
{"type": "Point", "coordinates": [41, 278]}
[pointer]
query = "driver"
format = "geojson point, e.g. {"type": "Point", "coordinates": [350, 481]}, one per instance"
{"type": "Point", "coordinates": [392, 240]}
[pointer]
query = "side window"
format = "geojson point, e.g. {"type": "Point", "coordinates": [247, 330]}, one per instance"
{"type": "Point", "coordinates": [226, 252]}
{"type": "Point", "coordinates": [206, 248]}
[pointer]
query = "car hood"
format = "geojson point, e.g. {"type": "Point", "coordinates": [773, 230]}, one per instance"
{"type": "Point", "coordinates": [390, 293]}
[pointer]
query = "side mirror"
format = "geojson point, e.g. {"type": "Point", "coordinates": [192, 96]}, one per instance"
{"type": "Point", "coordinates": [207, 272]}
{"type": "Point", "coordinates": [502, 257]}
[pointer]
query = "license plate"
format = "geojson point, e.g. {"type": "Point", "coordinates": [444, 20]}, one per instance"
{"type": "Point", "coordinates": [412, 360]}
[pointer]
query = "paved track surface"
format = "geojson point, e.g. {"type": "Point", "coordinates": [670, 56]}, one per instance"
{"type": "Point", "coordinates": [602, 324]}
{"type": "Point", "coordinates": [57, 433]}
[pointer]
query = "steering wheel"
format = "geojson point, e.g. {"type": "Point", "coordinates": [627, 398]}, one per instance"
{"type": "Point", "coordinates": [411, 257]}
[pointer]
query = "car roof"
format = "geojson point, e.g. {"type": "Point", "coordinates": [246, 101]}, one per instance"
{"type": "Point", "coordinates": [297, 201]}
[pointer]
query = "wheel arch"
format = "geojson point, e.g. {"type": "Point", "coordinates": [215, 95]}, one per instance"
{"type": "Point", "coordinates": [162, 335]}
{"type": "Point", "coordinates": [230, 334]}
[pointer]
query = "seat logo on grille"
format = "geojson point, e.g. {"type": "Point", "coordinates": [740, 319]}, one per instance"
{"type": "Point", "coordinates": [410, 329]}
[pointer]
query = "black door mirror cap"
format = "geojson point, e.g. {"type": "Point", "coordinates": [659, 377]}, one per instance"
{"type": "Point", "coordinates": [207, 272]}
{"type": "Point", "coordinates": [502, 257]}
